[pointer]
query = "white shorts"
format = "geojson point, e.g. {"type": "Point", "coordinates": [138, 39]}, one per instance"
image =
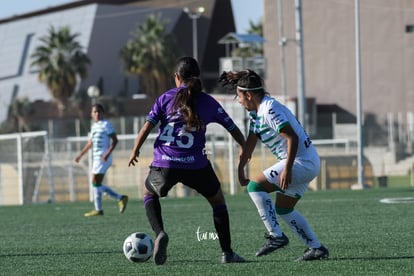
{"type": "Point", "coordinates": [303, 171]}
{"type": "Point", "coordinates": [100, 167]}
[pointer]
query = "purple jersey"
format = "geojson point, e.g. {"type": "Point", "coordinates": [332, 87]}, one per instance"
{"type": "Point", "coordinates": [175, 147]}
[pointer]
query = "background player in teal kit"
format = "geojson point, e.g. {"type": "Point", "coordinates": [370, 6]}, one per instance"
{"type": "Point", "coordinates": [298, 163]}
{"type": "Point", "coordinates": [103, 141]}
{"type": "Point", "coordinates": [183, 114]}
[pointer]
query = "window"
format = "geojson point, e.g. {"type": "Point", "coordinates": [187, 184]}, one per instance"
{"type": "Point", "coordinates": [409, 28]}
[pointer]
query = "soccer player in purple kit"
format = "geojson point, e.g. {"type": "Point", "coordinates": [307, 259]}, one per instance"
{"type": "Point", "coordinates": [183, 114]}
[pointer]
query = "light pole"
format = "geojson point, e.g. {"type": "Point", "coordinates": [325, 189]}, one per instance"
{"type": "Point", "coordinates": [361, 173]}
{"type": "Point", "coordinates": [300, 65]}
{"type": "Point", "coordinates": [93, 93]}
{"type": "Point", "coordinates": [194, 15]}
{"type": "Point", "coordinates": [282, 44]}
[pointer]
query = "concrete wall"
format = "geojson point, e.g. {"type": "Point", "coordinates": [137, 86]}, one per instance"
{"type": "Point", "coordinates": [387, 53]}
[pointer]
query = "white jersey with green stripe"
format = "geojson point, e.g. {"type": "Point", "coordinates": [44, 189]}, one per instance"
{"type": "Point", "coordinates": [267, 122]}
{"type": "Point", "coordinates": [100, 136]}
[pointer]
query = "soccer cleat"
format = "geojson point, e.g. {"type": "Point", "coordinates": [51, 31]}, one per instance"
{"type": "Point", "coordinates": [312, 254]}
{"type": "Point", "coordinates": [94, 213]}
{"type": "Point", "coordinates": [232, 257]}
{"type": "Point", "coordinates": [272, 244]}
{"type": "Point", "coordinates": [122, 203]}
{"type": "Point", "coordinates": [160, 248]}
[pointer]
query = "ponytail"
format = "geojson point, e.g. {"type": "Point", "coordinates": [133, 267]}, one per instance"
{"type": "Point", "coordinates": [186, 98]}
{"type": "Point", "coordinates": [246, 80]}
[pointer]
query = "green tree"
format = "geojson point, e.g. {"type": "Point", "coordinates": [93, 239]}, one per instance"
{"type": "Point", "coordinates": [256, 28]}
{"type": "Point", "coordinates": [61, 62]}
{"type": "Point", "coordinates": [251, 50]}
{"type": "Point", "coordinates": [150, 54]}
{"type": "Point", "coordinates": [20, 111]}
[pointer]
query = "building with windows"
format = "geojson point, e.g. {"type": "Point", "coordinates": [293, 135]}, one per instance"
{"type": "Point", "coordinates": [329, 46]}
{"type": "Point", "coordinates": [104, 27]}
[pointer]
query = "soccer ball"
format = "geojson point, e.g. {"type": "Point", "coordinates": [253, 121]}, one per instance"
{"type": "Point", "coordinates": [138, 247]}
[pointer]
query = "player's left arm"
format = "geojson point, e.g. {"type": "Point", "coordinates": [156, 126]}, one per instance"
{"type": "Point", "coordinates": [245, 157]}
{"type": "Point", "coordinates": [114, 142]}
{"type": "Point", "coordinates": [238, 136]}
{"type": "Point", "coordinates": [292, 139]}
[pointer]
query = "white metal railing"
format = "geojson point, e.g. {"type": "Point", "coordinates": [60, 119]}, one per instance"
{"type": "Point", "coordinates": [323, 142]}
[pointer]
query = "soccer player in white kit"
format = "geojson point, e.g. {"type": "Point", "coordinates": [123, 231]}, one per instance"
{"type": "Point", "coordinates": [298, 163]}
{"type": "Point", "coordinates": [103, 141]}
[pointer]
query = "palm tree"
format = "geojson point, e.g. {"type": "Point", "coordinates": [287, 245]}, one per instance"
{"type": "Point", "coordinates": [61, 62]}
{"type": "Point", "coordinates": [150, 54]}
{"type": "Point", "coordinates": [256, 28]}
{"type": "Point", "coordinates": [251, 50]}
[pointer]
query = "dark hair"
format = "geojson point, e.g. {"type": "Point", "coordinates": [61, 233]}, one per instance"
{"type": "Point", "coordinates": [246, 80]}
{"type": "Point", "coordinates": [99, 107]}
{"type": "Point", "coordinates": [185, 100]}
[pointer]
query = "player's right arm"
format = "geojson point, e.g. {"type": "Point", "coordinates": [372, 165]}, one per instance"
{"type": "Point", "coordinates": [142, 136]}
{"type": "Point", "coordinates": [84, 150]}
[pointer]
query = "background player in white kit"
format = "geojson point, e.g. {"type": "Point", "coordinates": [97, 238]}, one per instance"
{"type": "Point", "coordinates": [103, 141]}
{"type": "Point", "coordinates": [298, 163]}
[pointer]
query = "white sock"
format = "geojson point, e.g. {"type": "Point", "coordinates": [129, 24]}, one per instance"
{"type": "Point", "coordinates": [97, 194]}
{"type": "Point", "coordinates": [110, 192]}
{"type": "Point", "coordinates": [301, 228]}
{"type": "Point", "coordinates": [267, 212]}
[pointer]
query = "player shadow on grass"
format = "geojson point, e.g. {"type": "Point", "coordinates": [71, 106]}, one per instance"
{"type": "Point", "coordinates": [333, 259]}
{"type": "Point", "coordinates": [376, 258]}
{"type": "Point", "coordinates": [58, 254]}
{"type": "Point", "coordinates": [208, 261]}
{"type": "Point", "coordinates": [215, 261]}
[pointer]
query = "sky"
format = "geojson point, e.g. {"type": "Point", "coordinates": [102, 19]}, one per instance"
{"type": "Point", "coordinates": [243, 10]}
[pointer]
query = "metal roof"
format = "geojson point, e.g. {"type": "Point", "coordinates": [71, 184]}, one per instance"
{"type": "Point", "coordinates": [232, 38]}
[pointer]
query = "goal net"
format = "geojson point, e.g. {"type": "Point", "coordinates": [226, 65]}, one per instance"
{"type": "Point", "coordinates": [25, 168]}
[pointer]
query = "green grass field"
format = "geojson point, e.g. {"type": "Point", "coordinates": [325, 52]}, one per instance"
{"type": "Point", "coordinates": [365, 237]}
